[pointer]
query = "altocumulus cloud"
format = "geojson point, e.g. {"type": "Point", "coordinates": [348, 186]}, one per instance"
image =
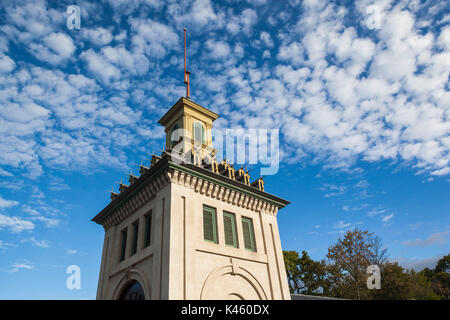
{"type": "Point", "coordinates": [15, 223]}
{"type": "Point", "coordinates": [437, 238]}
{"type": "Point", "coordinates": [340, 92]}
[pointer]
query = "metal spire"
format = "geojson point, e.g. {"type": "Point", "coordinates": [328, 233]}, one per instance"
{"type": "Point", "coordinates": [186, 72]}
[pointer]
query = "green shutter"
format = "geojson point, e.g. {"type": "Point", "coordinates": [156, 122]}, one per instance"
{"type": "Point", "coordinates": [209, 224]}
{"type": "Point", "coordinates": [199, 132]}
{"type": "Point", "coordinates": [229, 224]}
{"type": "Point", "coordinates": [135, 237]}
{"type": "Point", "coordinates": [148, 228]}
{"type": "Point", "coordinates": [247, 230]}
{"type": "Point", "coordinates": [123, 244]}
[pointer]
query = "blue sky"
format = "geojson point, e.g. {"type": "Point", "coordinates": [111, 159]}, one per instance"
{"type": "Point", "coordinates": [359, 91]}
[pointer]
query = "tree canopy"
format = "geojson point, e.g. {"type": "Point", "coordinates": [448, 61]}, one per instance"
{"type": "Point", "coordinates": [343, 272]}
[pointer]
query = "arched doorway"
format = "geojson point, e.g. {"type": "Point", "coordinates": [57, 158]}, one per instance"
{"type": "Point", "coordinates": [132, 291]}
{"type": "Point", "coordinates": [231, 283]}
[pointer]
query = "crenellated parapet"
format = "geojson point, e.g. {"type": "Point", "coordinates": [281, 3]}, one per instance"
{"type": "Point", "coordinates": [218, 190]}
{"type": "Point", "coordinates": [143, 189]}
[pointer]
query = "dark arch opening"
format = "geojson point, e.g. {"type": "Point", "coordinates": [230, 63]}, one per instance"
{"type": "Point", "coordinates": [132, 291]}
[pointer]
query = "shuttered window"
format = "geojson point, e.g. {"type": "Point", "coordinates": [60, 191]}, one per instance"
{"type": "Point", "coordinates": [135, 237]}
{"type": "Point", "coordinates": [123, 244]}
{"type": "Point", "coordinates": [148, 229]}
{"type": "Point", "coordinates": [229, 224]}
{"type": "Point", "coordinates": [199, 132]}
{"type": "Point", "coordinates": [209, 224]}
{"type": "Point", "coordinates": [249, 236]}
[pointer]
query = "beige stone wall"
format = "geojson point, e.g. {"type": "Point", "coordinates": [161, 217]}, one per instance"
{"type": "Point", "coordinates": [146, 264]}
{"type": "Point", "coordinates": [179, 264]}
{"type": "Point", "coordinates": [198, 266]}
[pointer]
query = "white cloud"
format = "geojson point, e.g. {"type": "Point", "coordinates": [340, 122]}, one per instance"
{"type": "Point", "coordinates": [21, 265]}
{"type": "Point", "coordinates": [99, 36]}
{"type": "Point", "coordinates": [218, 49]}
{"type": "Point", "coordinates": [152, 38]}
{"type": "Point", "coordinates": [266, 39]}
{"type": "Point", "coordinates": [49, 222]}
{"type": "Point", "coordinates": [437, 238]}
{"type": "Point", "coordinates": [332, 190]}
{"type": "Point", "coordinates": [444, 38]}
{"type": "Point", "coordinates": [54, 49]}
{"type": "Point", "coordinates": [7, 203]}
{"type": "Point", "coordinates": [61, 43]}
{"type": "Point", "coordinates": [293, 53]}
{"type": "Point", "coordinates": [375, 212]}
{"type": "Point", "coordinates": [342, 225]}
{"type": "Point", "coordinates": [248, 18]}
{"type": "Point", "coordinates": [37, 243]}
{"type": "Point", "coordinates": [97, 64]}
{"type": "Point", "coordinates": [5, 173]}
{"type": "Point", "coordinates": [242, 23]}
{"type": "Point", "coordinates": [354, 208]}
{"type": "Point", "coordinates": [15, 223]}
{"type": "Point", "coordinates": [197, 14]}
{"type": "Point", "coordinates": [39, 210]}
{"type": "Point", "coordinates": [372, 116]}
{"type": "Point", "coordinates": [5, 245]}
{"type": "Point", "coordinates": [58, 184]}
{"type": "Point", "coordinates": [202, 12]}
{"type": "Point", "coordinates": [338, 96]}
{"type": "Point", "coordinates": [6, 64]}
{"type": "Point", "coordinates": [135, 63]}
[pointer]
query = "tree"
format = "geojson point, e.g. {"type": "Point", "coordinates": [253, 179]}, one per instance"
{"type": "Point", "coordinates": [312, 274]}
{"type": "Point", "coordinates": [439, 277]}
{"type": "Point", "coordinates": [343, 273]}
{"type": "Point", "coordinates": [422, 289]}
{"type": "Point", "coordinates": [395, 284]}
{"type": "Point", "coordinates": [305, 276]}
{"type": "Point", "coordinates": [291, 261]}
{"type": "Point", "coordinates": [441, 284]}
{"type": "Point", "coordinates": [443, 265]}
{"type": "Point", "coordinates": [398, 284]}
{"type": "Point", "coordinates": [351, 256]}
{"type": "Point", "coordinates": [337, 283]}
{"type": "Point", "coordinates": [378, 255]}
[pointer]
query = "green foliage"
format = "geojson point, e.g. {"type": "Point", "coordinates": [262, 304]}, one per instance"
{"type": "Point", "coordinates": [439, 278]}
{"type": "Point", "coordinates": [351, 256]}
{"type": "Point", "coordinates": [441, 284]}
{"type": "Point", "coordinates": [343, 273]}
{"type": "Point", "coordinates": [398, 284]}
{"type": "Point", "coordinates": [291, 261]}
{"type": "Point", "coordinates": [443, 265]}
{"type": "Point", "coordinates": [305, 275]}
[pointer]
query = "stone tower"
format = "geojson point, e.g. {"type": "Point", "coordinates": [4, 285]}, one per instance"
{"type": "Point", "coordinates": [189, 227]}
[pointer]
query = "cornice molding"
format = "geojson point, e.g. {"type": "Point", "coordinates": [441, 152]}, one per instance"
{"type": "Point", "coordinates": [186, 103]}
{"type": "Point", "coordinates": [195, 178]}
{"type": "Point", "coordinates": [219, 192]}
{"type": "Point", "coordinates": [135, 201]}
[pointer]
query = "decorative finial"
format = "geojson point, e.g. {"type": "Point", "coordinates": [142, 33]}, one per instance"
{"type": "Point", "coordinates": [113, 194]}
